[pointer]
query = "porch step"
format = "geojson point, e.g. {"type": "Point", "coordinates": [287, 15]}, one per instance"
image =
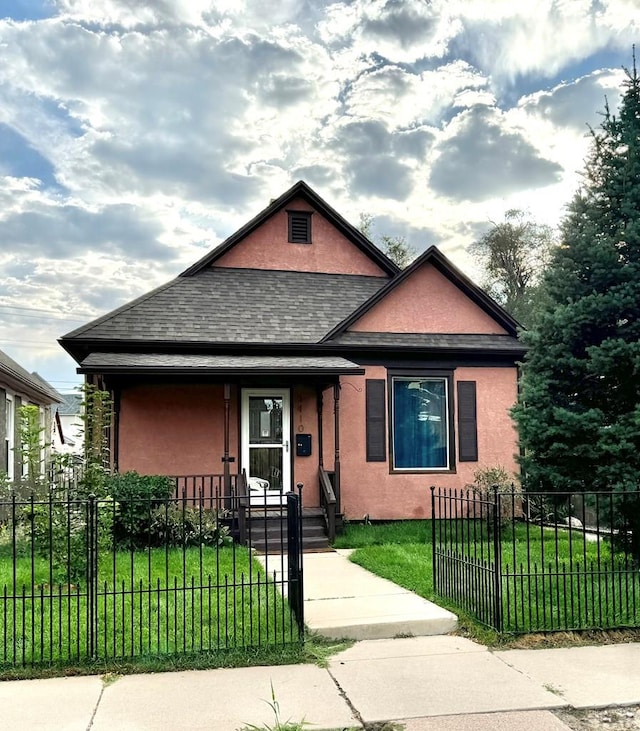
{"type": "Point", "coordinates": [268, 534]}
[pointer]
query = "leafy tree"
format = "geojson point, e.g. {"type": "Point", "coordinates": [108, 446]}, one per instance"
{"type": "Point", "coordinates": [395, 247]}
{"type": "Point", "coordinates": [513, 254]}
{"type": "Point", "coordinates": [579, 412]}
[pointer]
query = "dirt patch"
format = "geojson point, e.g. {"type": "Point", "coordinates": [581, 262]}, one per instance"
{"type": "Point", "coordinates": [619, 718]}
{"type": "Point", "coordinates": [567, 639]}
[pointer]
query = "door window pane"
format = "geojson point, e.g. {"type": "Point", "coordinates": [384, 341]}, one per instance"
{"type": "Point", "coordinates": [266, 463]}
{"type": "Point", "coordinates": [265, 420]}
{"type": "Point", "coordinates": [420, 423]}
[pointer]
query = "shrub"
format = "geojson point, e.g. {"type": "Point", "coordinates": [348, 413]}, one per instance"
{"type": "Point", "coordinates": [486, 480]}
{"type": "Point", "coordinates": [183, 526]}
{"type": "Point", "coordinates": [138, 496]}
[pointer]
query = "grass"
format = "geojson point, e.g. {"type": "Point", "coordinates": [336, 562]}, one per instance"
{"type": "Point", "coordinates": [552, 580]}
{"type": "Point", "coordinates": [148, 604]}
{"type": "Point", "coordinates": [313, 650]}
{"type": "Point", "coordinates": [357, 535]}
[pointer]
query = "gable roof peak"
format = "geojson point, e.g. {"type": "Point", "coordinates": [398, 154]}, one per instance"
{"type": "Point", "coordinates": [298, 190]}
{"type": "Point", "coordinates": [434, 256]}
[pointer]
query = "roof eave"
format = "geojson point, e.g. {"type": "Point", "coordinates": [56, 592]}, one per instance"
{"type": "Point", "coordinates": [19, 385]}
{"type": "Point", "coordinates": [207, 371]}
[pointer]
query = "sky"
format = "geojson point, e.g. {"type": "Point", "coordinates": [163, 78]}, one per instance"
{"type": "Point", "coordinates": [136, 136]}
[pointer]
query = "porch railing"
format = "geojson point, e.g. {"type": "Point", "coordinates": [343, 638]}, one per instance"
{"type": "Point", "coordinates": [210, 487]}
{"type": "Point", "coordinates": [328, 502]}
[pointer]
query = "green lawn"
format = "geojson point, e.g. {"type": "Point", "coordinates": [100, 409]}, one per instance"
{"type": "Point", "coordinates": [551, 579]}
{"type": "Point", "coordinates": [148, 603]}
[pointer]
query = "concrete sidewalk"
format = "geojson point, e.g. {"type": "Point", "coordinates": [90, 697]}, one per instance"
{"type": "Point", "coordinates": [343, 600]}
{"type": "Point", "coordinates": [446, 683]}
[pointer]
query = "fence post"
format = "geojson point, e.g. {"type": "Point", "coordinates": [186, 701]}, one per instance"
{"type": "Point", "coordinates": [497, 562]}
{"type": "Point", "coordinates": [92, 574]}
{"type": "Point", "coordinates": [433, 538]}
{"type": "Point", "coordinates": [294, 560]}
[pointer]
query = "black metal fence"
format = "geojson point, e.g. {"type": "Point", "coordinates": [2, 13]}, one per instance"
{"type": "Point", "coordinates": [95, 578]}
{"type": "Point", "coordinates": [528, 562]}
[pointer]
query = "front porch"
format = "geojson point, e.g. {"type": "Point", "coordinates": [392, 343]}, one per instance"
{"type": "Point", "coordinates": [274, 418]}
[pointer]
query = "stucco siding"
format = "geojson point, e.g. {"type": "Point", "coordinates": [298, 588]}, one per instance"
{"type": "Point", "coordinates": [268, 248]}
{"type": "Point", "coordinates": [304, 420]}
{"type": "Point", "coordinates": [179, 430]}
{"type": "Point", "coordinates": [427, 302]}
{"type": "Point", "coordinates": [175, 430]}
{"type": "Point", "coordinates": [369, 488]}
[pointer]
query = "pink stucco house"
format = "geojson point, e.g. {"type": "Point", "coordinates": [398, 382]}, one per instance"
{"type": "Point", "coordinates": [298, 352]}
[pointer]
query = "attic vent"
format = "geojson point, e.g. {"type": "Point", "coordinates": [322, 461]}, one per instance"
{"type": "Point", "coordinates": [299, 227]}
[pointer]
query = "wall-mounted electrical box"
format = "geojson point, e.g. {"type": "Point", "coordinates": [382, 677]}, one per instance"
{"type": "Point", "coordinates": [303, 445]}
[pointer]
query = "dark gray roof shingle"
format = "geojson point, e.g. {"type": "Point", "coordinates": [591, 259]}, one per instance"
{"type": "Point", "coordinates": [71, 404]}
{"type": "Point", "coordinates": [454, 341]}
{"type": "Point", "coordinates": [201, 362]}
{"type": "Point", "coordinates": [223, 305]}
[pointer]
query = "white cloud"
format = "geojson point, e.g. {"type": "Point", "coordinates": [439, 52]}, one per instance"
{"type": "Point", "coordinates": [402, 31]}
{"type": "Point", "coordinates": [504, 160]}
{"type": "Point", "coordinates": [154, 130]}
{"type": "Point", "coordinates": [508, 39]}
{"type": "Point", "coordinates": [404, 97]}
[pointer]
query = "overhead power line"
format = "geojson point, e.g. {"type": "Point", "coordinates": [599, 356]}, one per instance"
{"type": "Point", "coordinates": [39, 309]}
{"type": "Point", "coordinates": [41, 317]}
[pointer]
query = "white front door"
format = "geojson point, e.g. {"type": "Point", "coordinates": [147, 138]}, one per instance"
{"type": "Point", "coordinates": [265, 423]}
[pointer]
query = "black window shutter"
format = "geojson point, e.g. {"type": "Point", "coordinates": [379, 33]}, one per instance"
{"type": "Point", "coordinates": [467, 422]}
{"type": "Point", "coordinates": [376, 409]}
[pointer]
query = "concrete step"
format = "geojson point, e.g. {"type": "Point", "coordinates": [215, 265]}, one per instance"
{"type": "Point", "coordinates": [268, 534]}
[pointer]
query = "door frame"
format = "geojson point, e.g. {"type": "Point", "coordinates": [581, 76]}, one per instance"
{"type": "Point", "coordinates": [287, 459]}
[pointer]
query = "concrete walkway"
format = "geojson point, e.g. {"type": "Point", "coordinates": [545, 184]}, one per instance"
{"type": "Point", "coordinates": [343, 600]}
{"type": "Point", "coordinates": [445, 683]}
{"type": "Point", "coordinates": [428, 683]}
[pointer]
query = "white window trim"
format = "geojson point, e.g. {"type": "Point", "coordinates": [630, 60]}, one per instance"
{"type": "Point", "coordinates": [10, 410]}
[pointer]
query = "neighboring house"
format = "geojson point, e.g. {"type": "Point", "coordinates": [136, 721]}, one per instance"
{"type": "Point", "coordinates": [297, 348]}
{"type": "Point", "coordinates": [69, 427]}
{"type": "Point", "coordinates": [19, 388]}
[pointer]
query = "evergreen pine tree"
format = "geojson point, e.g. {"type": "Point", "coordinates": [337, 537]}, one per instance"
{"type": "Point", "coordinates": [579, 412]}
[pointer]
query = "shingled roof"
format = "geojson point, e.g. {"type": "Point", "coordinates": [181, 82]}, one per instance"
{"type": "Point", "coordinates": [32, 384]}
{"type": "Point", "coordinates": [470, 342]}
{"type": "Point", "coordinates": [195, 363]}
{"type": "Point", "coordinates": [217, 309]}
{"type": "Point", "coordinates": [223, 305]}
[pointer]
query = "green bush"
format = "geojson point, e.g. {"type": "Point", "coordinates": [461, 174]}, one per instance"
{"type": "Point", "coordinates": [183, 526]}
{"type": "Point", "coordinates": [137, 496]}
